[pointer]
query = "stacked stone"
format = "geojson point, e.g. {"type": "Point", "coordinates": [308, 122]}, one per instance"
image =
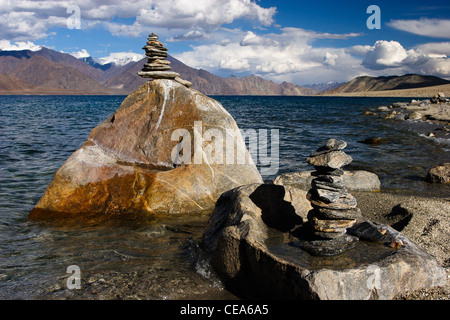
{"type": "Point", "coordinates": [334, 209]}
{"type": "Point", "coordinates": [157, 67]}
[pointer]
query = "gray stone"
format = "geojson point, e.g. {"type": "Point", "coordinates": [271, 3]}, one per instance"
{"type": "Point", "coordinates": [338, 214]}
{"type": "Point", "coordinates": [156, 45]}
{"type": "Point", "coordinates": [149, 51]}
{"type": "Point", "coordinates": [415, 115]}
{"type": "Point", "coordinates": [399, 105]}
{"type": "Point", "coordinates": [156, 67]}
{"type": "Point", "coordinates": [334, 144]}
{"type": "Point", "coordinates": [328, 247]}
{"type": "Point", "coordinates": [333, 159]}
{"type": "Point", "coordinates": [358, 180]}
{"type": "Point", "coordinates": [345, 202]}
{"type": "Point", "coordinates": [439, 174]}
{"type": "Point", "coordinates": [327, 196]}
{"type": "Point", "coordinates": [256, 260]}
{"type": "Point", "coordinates": [326, 185]}
{"type": "Point", "coordinates": [159, 74]}
{"type": "Point", "coordinates": [331, 145]}
{"type": "Point", "coordinates": [330, 225]}
{"type": "Point", "coordinates": [185, 83]}
{"type": "Point", "coordinates": [383, 109]}
{"type": "Point", "coordinates": [326, 171]}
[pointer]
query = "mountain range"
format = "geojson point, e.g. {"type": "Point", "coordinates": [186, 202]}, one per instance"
{"type": "Point", "coordinates": [371, 84]}
{"type": "Point", "coordinates": [50, 72]}
{"type": "Point", "coordinates": [46, 71]}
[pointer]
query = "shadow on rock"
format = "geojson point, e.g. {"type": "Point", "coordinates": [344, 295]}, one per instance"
{"type": "Point", "coordinates": [275, 211]}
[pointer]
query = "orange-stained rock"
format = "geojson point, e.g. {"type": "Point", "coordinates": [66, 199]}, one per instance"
{"type": "Point", "coordinates": [126, 165]}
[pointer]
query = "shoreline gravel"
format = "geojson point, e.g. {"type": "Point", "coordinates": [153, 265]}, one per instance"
{"type": "Point", "coordinates": [428, 226]}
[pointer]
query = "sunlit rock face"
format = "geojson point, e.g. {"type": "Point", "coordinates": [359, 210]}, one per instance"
{"type": "Point", "coordinates": [166, 150]}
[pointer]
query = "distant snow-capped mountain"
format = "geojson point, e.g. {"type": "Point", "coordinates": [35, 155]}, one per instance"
{"type": "Point", "coordinates": [119, 59]}
{"type": "Point", "coordinates": [324, 86]}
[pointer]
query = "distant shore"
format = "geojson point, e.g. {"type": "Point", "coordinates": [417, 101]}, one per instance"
{"type": "Point", "coordinates": [426, 92]}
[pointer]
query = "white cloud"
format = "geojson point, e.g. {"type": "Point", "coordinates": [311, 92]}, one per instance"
{"type": "Point", "coordinates": [204, 14]}
{"type": "Point", "coordinates": [436, 28]}
{"type": "Point", "coordinates": [424, 59]}
{"type": "Point", "coordinates": [81, 54]}
{"type": "Point", "coordinates": [232, 63]}
{"type": "Point", "coordinates": [287, 56]}
{"type": "Point", "coordinates": [330, 58]}
{"type": "Point", "coordinates": [6, 45]}
{"type": "Point", "coordinates": [385, 54]}
{"type": "Point", "coordinates": [31, 20]}
{"type": "Point", "coordinates": [124, 30]}
{"type": "Point", "coordinates": [438, 49]}
{"type": "Point", "coordinates": [192, 35]}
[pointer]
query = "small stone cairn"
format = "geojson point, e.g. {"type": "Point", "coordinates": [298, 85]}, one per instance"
{"type": "Point", "coordinates": [334, 209]}
{"type": "Point", "coordinates": [157, 67]}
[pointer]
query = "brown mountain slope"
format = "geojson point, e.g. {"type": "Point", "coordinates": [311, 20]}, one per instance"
{"type": "Point", "coordinates": [42, 72]}
{"type": "Point", "coordinates": [70, 61]}
{"type": "Point", "coordinates": [127, 79]}
{"type": "Point", "coordinates": [11, 84]}
{"type": "Point", "coordinates": [10, 59]}
{"type": "Point", "coordinates": [368, 84]}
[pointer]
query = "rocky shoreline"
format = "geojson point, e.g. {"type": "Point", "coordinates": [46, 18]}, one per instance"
{"type": "Point", "coordinates": [424, 220]}
{"type": "Point", "coordinates": [434, 111]}
{"type": "Point", "coordinates": [430, 118]}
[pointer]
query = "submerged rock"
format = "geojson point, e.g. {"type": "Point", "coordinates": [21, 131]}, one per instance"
{"type": "Point", "coordinates": [439, 174]}
{"type": "Point", "coordinates": [127, 164]}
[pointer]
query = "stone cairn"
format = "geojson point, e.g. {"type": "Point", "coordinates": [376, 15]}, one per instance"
{"type": "Point", "coordinates": [157, 67]}
{"type": "Point", "coordinates": [334, 209]}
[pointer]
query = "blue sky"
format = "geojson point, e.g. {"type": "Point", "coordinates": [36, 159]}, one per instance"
{"type": "Point", "coordinates": [303, 42]}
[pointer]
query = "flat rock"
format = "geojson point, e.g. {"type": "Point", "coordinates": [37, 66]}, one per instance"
{"type": "Point", "coordinates": [332, 145]}
{"type": "Point", "coordinates": [185, 83]}
{"type": "Point", "coordinates": [326, 225]}
{"type": "Point", "coordinates": [345, 202]}
{"type": "Point", "coordinates": [159, 74]}
{"type": "Point", "coordinates": [327, 247]}
{"type": "Point", "coordinates": [358, 180]}
{"type": "Point", "coordinates": [327, 196]}
{"type": "Point", "coordinates": [338, 214]}
{"type": "Point", "coordinates": [255, 258]}
{"type": "Point", "coordinates": [333, 159]}
{"type": "Point", "coordinates": [156, 67]}
{"type": "Point", "coordinates": [127, 167]}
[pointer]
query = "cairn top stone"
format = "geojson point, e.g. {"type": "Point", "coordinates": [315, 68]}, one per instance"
{"type": "Point", "coordinates": [332, 145]}
{"type": "Point", "coordinates": [153, 36]}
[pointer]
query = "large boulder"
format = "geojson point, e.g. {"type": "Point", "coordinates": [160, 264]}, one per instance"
{"type": "Point", "coordinates": [253, 235]}
{"type": "Point", "coordinates": [358, 180]}
{"type": "Point", "coordinates": [149, 157]}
